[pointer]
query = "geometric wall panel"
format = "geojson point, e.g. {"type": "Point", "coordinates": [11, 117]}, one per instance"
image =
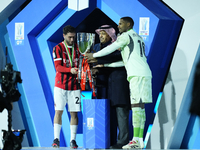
{"type": "Point", "coordinates": [186, 132]}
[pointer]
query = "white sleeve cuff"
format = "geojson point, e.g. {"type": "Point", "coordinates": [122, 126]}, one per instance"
{"type": "Point", "coordinates": [115, 64]}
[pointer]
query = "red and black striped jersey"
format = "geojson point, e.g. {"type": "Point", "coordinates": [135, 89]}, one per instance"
{"type": "Point", "coordinates": [66, 58]}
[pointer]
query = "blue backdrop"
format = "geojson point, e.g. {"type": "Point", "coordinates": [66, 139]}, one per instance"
{"type": "Point", "coordinates": [43, 23]}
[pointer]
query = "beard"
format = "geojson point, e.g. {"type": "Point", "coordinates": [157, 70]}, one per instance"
{"type": "Point", "coordinates": [69, 43]}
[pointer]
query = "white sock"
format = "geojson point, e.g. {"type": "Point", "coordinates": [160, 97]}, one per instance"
{"type": "Point", "coordinates": [73, 129]}
{"type": "Point", "coordinates": [136, 139]}
{"type": "Point", "coordinates": [57, 128]}
{"type": "Point", "coordinates": [141, 140]}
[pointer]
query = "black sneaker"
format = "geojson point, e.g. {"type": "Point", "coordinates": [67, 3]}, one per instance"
{"type": "Point", "coordinates": [56, 143]}
{"type": "Point", "coordinates": [73, 144]}
{"type": "Point", "coordinates": [116, 146]}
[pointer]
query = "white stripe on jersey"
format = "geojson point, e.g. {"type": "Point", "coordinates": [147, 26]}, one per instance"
{"type": "Point", "coordinates": [57, 59]}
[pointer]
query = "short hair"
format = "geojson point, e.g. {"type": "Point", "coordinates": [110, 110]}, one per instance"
{"type": "Point", "coordinates": [129, 20]}
{"type": "Point", "coordinates": [68, 29]}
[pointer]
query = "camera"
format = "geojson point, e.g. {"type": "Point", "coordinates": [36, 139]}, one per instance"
{"type": "Point", "coordinates": [9, 93]}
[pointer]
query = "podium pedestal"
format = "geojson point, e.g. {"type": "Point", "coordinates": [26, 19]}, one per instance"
{"type": "Point", "coordinates": [96, 123]}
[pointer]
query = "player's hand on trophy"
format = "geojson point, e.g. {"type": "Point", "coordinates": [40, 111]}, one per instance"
{"type": "Point", "coordinates": [94, 60]}
{"type": "Point", "coordinates": [89, 56]}
{"type": "Point", "coordinates": [74, 70]}
{"type": "Point", "coordinates": [94, 71]}
{"type": "Point", "coordinates": [98, 66]}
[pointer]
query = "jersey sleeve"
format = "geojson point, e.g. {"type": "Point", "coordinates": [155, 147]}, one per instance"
{"type": "Point", "coordinates": [121, 41]}
{"type": "Point", "coordinates": [107, 50]}
{"type": "Point", "coordinates": [57, 57]}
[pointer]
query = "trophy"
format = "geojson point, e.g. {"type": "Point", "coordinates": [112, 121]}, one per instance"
{"type": "Point", "coordinates": [84, 41]}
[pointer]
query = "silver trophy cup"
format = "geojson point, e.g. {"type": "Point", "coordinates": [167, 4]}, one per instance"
{"type": "Point", "coordinates": [84, 41]}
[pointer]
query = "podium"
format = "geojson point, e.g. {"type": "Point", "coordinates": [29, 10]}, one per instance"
{"type": "Point", "coordinates": [96, 123]}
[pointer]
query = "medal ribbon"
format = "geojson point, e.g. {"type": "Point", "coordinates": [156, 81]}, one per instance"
{"type": "Point", "coordinates": [70, 56]}
{"type": "Point", "coordinates": [86, 70]}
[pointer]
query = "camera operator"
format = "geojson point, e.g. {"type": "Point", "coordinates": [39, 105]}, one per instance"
{"type": "Point", "coordinates": [9, 80]}
{"type": "Point", "coordinates": [3, 102]}
{"type": "Point", "coordinates": [8, 94]}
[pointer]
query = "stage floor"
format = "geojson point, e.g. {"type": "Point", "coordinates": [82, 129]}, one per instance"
{"type": "Point", "coordinates": [47, 148]}
{"type": "Point", "coordinates": [67, 148]}
{"type": "Point", "coordinates": [51, 148]}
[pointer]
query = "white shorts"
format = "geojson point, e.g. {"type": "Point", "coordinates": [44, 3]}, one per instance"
{"type": "Point", "coordinates": [140, 90]}
{"type": "Point", "coordinates": [72, 98]}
